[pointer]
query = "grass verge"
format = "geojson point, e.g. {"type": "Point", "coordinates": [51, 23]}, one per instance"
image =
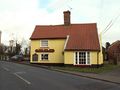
{"type": "Point", "coordinates": [105, 68]}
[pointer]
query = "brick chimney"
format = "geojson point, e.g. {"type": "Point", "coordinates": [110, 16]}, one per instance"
{"type": "Point", "coordinates": [66, 17]}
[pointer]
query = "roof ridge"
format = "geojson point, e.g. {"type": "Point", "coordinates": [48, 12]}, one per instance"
{"type": "Point", "coordinates": [65, 25]}
{"type": "Point", "coordinates": [50, 25]}
{"type": "Point", "coordinates": [114, 43]}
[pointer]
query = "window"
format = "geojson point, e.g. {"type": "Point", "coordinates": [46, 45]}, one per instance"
{"type": "Point", "coordinates": [82, 58]}
{"type": "Point", "coordinates": [44, 43]}
{"type": "Point", "coordinates": [44, 56]}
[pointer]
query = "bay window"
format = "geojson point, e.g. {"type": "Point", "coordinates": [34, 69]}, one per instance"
{"type": "Point", "coordinates": [82, 58]}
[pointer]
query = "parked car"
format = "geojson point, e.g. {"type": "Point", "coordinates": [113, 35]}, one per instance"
{"type": "Point", "coordinates": [17, 58]}
{"type": "Point", "coordinates": [26, 58]}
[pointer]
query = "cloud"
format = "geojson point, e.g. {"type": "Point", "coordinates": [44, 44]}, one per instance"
{"type": "Point", "coordinates": [19, 17]}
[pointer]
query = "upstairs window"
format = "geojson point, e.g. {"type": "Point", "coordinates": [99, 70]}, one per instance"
{"type": "Point", "coordinates": [44, 43]}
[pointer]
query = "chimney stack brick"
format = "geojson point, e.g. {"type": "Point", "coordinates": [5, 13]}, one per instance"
{"type": "Point", "coordinates": [66, 17]}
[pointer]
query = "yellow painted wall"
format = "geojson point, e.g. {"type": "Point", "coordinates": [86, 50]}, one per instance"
{"type": "Point", "coordinates": [34, 45]}
{"type": "Point", "coordinates": [58, 56]}
{"type": "Point", "coordinates": [54, 57]}
{"type": "Point", "coordinates": [100, 57]}
{"type": "Point", "coordinates": [94, 57]}
{"type": "Point", "coordinates": [68, 57]}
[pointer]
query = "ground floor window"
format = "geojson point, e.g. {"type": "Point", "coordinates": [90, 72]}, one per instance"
{"type": "Point", "coordinates": [44, 56]}
{"type": "Point", "coordinates": [82, 58]}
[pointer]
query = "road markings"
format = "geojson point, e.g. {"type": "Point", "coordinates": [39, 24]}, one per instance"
{"type": "Point", "coordinates": [5, 68]}
{"type": "Point", "coordinates": [20, 72]}
{"type": "Point", "coordinates": [22, 78]}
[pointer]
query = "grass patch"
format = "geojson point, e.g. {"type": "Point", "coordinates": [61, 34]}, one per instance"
{"type": "Point", "coordinates": [105, 68]}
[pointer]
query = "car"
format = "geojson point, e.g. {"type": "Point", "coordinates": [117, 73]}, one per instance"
{"type": "Point", "coordinates": [17, 58]}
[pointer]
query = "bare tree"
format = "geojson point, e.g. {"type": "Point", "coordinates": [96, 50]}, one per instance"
{"type": "Point", "coordinates": [18, 48]}
{"type": "Point", "coordinates": [3, 53]}
{"type": "Point", "coordinates": [106, 50]}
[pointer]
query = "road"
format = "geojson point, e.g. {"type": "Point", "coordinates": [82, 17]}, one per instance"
{"type": "Point", "coordinates": [15, 76]}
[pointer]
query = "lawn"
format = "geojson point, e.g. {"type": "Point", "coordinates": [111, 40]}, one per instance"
{"type": "Point", "coordinates": [104, 68]}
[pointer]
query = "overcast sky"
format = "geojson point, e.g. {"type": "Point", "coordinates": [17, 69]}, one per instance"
{"type": "Point", "coordinates": [19, 17]}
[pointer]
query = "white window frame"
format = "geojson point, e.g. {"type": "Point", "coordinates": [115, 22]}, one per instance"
{"type": "Point", "coordinates": [86, 52]}
{"type": "Point", "coordinates": [44, 43]}
{"type": "Point", "coordinates": [44, 59]}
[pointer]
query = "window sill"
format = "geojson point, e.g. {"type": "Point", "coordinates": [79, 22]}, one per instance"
{"type": "Point", "coordinates": [44, 60]}
{"type": "Point", "coordinates": [43, 47]}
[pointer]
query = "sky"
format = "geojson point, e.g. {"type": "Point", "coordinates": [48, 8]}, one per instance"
{"type": "Point", "coordinates": [19, 17]}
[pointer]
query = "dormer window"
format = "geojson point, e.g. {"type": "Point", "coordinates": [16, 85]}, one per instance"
{"type": "Point", "coordinates": [44, 43]}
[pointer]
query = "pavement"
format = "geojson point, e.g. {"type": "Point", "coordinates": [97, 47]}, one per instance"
{"type": "Point", "coordinates": [112, 77]}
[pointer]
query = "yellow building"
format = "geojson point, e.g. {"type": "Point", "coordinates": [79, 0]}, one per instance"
{"type": "Point", "coordinates": [70, 44]}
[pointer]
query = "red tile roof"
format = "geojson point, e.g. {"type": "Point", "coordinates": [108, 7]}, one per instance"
{"type": "Point", "coordinates": [81, 36]}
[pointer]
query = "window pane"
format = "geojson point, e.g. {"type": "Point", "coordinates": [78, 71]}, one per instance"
{"type": "Point", "coordinates": [42, 56]}
{"type": "Point", "coordinates": [82, 57]}
{"type": "Point", "coordinates": [76, 57]}
{"type": "Point", "coordinates": [46, 56]}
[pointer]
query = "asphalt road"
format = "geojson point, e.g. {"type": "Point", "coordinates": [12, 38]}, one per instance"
{"type": "Point", "coordinates": [15, 76]}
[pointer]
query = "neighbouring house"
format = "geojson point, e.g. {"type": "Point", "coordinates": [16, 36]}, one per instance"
{"type": "Point", "coordinates": [114, 52]}
{"type": "Point", "coordinates": [68, 44]}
